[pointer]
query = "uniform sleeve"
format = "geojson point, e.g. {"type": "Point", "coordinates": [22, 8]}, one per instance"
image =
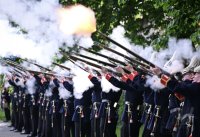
{"type": "Point", "coordinates": [96, 83]}
{"type": "Point", "coordinates": [56, 82]}
{"type": "Point", "coordinates": [38, 79]}
{"type": "Point", "coordinates": [94, 80]}
{"type": "Point", "coordinates": [68, 86]}
{"type": "Point", "coordinates": [186, 89]}
{"type": "Point", "coordinates": [118, 83]}
{"type": "Point", "coordinates": [11, 83]}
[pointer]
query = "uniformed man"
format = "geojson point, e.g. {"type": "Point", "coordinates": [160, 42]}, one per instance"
{"type": "Point", "coordinates": [108, 110]}
{"type": "Point", "coordinates": [41, 100]}
{"type": "Point", "coordinates": [158, 120]}
{"type": "Point", "coordinates": [81, 116]}
{"type": "Point", "coordinates": [5, 98]}
{"type": "Point", "coordinates": [133, 101]}
{"type": "Point", "coordinates": [21, 86]}
{"type": "Point", "coordinates": [26, 110]}
{"type": "Point", "coordinates": [189, 91]}
{"type": "Point", "coordinates": [33, 105]}
{"type": "Point", "coordinates": [67, 109]}
{"type": "Point", "coordinates": [148, 99]}
{"type": "Point", "coordinates": [12, 81]}
{"type": "Point", "coordinates": [55, 106]}
{"type": "Point", "coordinates": [96, 100]}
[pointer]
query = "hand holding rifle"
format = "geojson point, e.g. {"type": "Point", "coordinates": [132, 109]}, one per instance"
{"type": "Point", "coordinates": [129, 68]}
{"type": "Point", "coordinates": [156, 71]}
{"type": "Point", "coordinates": [120, 70]}
{"type": "Point", "coordinates": [104, 70]}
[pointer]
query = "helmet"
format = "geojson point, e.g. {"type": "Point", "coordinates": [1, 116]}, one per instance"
{"type": "Point", "coordinates": [195, 61]}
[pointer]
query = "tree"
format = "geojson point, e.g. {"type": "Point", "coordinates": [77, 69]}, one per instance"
{"type": "Point", "coordinates": [147, 22]}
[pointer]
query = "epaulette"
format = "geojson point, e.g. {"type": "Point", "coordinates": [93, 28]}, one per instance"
{"type": "Point", "coordinates": [133, 75]}
{"type": "Point", "coordinates": [90, 76]}
{"type": "Point", "coordinates": [164, 79]}
{"type": "Point", "coordinates": [125, 77]}
{"type": "Point", "coordinates": [108, 76]}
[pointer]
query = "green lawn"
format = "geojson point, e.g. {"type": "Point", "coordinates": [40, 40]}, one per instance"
{"type": "Point", "coordinates": [2, 117]}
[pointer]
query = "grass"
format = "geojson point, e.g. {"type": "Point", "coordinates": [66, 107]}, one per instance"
{"type": "Point", "coordinates": [2, 116]}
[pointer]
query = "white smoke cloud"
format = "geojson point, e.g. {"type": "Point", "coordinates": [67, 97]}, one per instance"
{"type": "Point", "coordinates": [20, 83]}
{"type": "Point", "coordinates": [30, 66]}
{"type": "Point", "coordinates": [107, 86]}
{"type": "Point", "coordinates": [30, 84]}
{"type": "Point", "coordinates": [63, 92]}
{"type": "Point", "coordinates": [41, 22]}
{"type": "Point", "coordinates": [5, 70]}
{"type": "Point", "coordinates": [81, 82]}
{"type": "Point", "coordinates": [154, 83]}
{"type": "Point", "coordinates": [48, 92]}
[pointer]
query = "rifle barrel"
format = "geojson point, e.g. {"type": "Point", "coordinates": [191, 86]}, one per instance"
{"type": "Point", "coordinates": [96, 60]}
{"type": "Point", "coordinates": [36, 64]}
{"type": "Point", "coordinates": [104, 56]}
{"type": "Point", "coordinates": [132, 53]}
{"type": "Point", "coordinates": [92, 64]}
{"type": "Point", "coordinates": [61, 66]}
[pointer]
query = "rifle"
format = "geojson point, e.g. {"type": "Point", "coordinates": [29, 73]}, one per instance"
{"type": "Point", "coordinates": [150, 64]}
{"type": "Point", "coordinates": [114, 61]}
{"type": "Point", "coordinates": [61, 66]}
{"type": "Point", "coordinates": [36, 64]}
{"type": "Point", "coordinates": [74, 58]}
{"type": "Point", "coordinates": [94, 65]}
{"type": "Point", "coordinates": [100, 61]}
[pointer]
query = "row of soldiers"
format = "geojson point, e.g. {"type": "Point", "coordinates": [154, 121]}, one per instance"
{"type": "Point", "coordinates": [173, 111]}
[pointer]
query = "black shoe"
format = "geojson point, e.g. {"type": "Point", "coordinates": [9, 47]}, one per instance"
{"type": "Point", "coordinates": [6, 121]}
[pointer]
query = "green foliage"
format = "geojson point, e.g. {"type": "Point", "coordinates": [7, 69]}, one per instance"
{"type": "Point", "coordinates": [147, 22]}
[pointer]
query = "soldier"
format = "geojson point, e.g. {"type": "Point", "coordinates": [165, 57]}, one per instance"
{"type": "Point", "coordinates": [33, 104]}
{"type": "Point", "coordinates": [133, 100]}
{"type": "Point", "coordinates": [81, 116]}
{"type": "Point", "coordinates": [181, 127]}
{"type": "Point", "coordinates": [5, 98]}
{"type": "Point", "coordinates": [54, 109]}
{"type": "Point", "coordinates": [174, 117]}
{"type": "Point", "coordinates": [189, 91]}
{"type": "Point", "coordinates": [26, 110]}
{"type": "Point", "coordinates": [96, 100]}
{"type": "Point", "coordinates": [67, 109]}
{"type": "Point", "coordinates": [108, 111]}
{"type": "Point", "coordinates": [21, 86]}
{"type": "Point", "coordinates": [41, 100]}
{"type": "Point", "coordinates": [148, 98]}
{"type": "Point", "coordinates": [47, 131]}
{"type": "Point", "coordinates": [12, 81]}
{"type": "Point", "coordinates": [160, 114]}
